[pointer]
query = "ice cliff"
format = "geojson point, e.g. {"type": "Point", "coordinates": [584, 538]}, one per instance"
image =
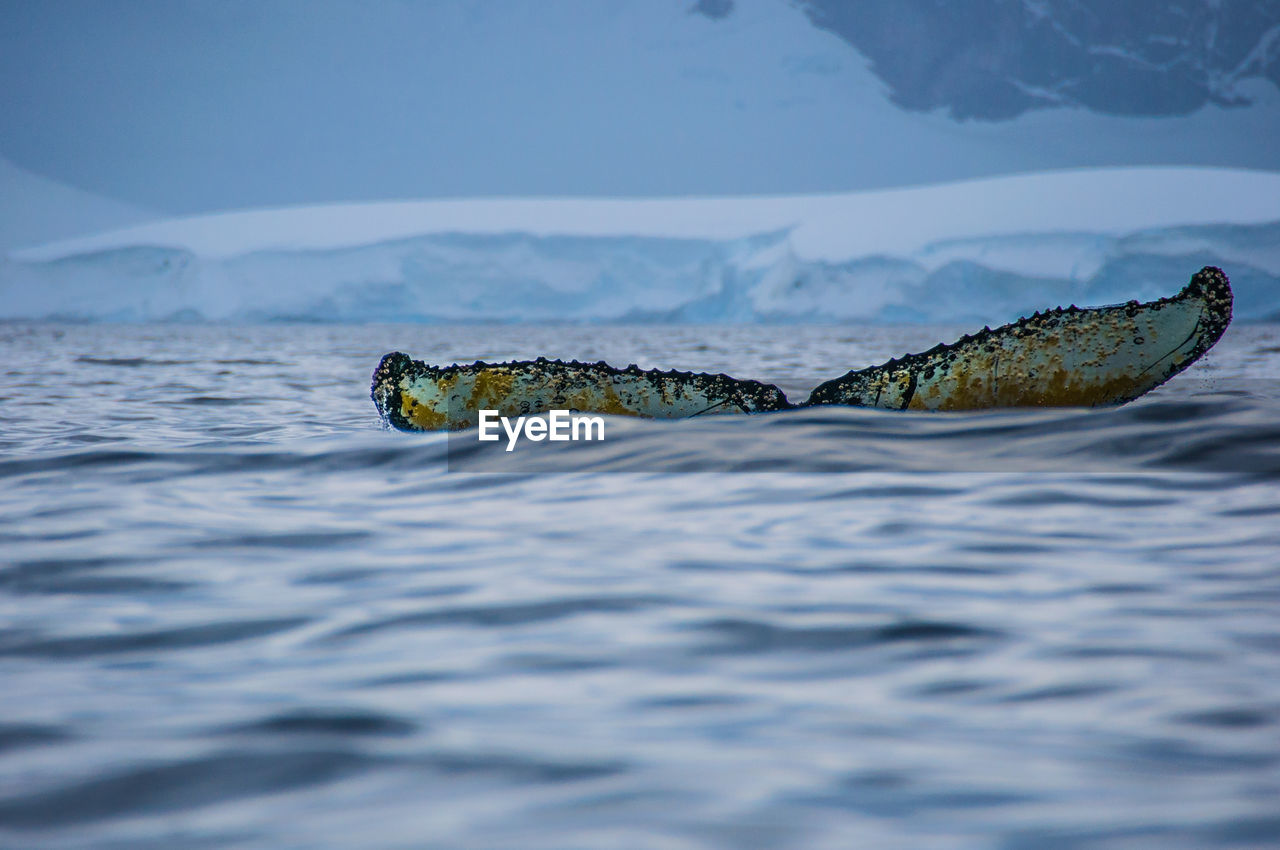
{"type": "Point", "coordinates": [976, 252]}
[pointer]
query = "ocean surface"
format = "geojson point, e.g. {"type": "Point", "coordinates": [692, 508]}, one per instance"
{"type": "Point", "coordinates": [237, 613]}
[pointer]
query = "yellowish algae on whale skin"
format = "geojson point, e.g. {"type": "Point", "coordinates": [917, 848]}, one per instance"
{"type": "Point", "coordinates": [1067, 357]}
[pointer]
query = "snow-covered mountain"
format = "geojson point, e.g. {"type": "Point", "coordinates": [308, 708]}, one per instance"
{"type": "Point", "coordinates": [997, 60]}
{"type": "Point", "coordinates": [981, 251]}
{"type": "Point", "coordinates": [772, 140]}
{"type": "Point", "coordinates": [191, 107]}
{"type": "Point", "coordinates": [34, 210]}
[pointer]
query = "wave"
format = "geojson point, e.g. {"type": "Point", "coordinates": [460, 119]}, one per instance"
{"type": "Point", "coordinates": [1213, 431]}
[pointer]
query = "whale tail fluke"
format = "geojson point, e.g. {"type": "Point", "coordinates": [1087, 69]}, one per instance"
{"type": "Point", "coordinates": [1064, 357]}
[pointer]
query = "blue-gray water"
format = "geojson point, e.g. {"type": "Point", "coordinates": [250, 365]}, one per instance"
{"type": "Point", "coordinates": [236, 613]}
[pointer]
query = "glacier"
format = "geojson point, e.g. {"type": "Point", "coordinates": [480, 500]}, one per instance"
{"type": "Point", "coordinates": [977, 252]}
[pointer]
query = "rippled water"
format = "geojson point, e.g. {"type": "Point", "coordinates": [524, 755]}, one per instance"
{"type": "Point", "coordinates": [237, 613]}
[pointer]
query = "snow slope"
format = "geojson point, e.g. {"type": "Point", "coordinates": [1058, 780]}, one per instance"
{"type": "Point", "coordinates": [33, 210]}
{"type": "Point", "coordinates": [981, 250]}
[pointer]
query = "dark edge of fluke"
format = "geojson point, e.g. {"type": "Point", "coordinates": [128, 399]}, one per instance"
{"type": "Point", "coordinates": [386, 389]}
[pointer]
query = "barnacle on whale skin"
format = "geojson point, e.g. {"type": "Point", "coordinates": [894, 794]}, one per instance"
{"type": "Point", "coordinates": [1068, 356]}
